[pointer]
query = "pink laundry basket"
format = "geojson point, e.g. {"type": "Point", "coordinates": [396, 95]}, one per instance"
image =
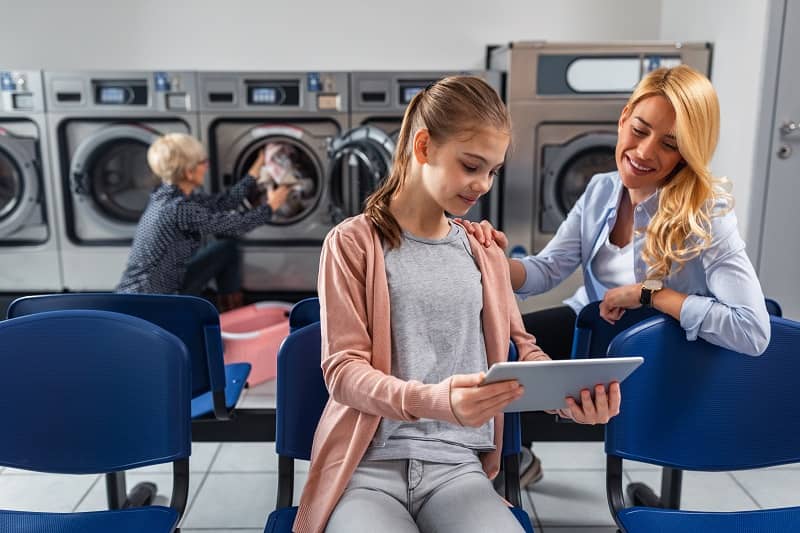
{"type": "Point", "coordinates": [253, 334]}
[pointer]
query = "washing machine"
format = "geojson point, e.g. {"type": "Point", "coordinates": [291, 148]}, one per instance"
{"type": "Point", "coordinates": [101, 125]}
{"type": "Point", "coordinates": [29, 260]}
{"type": "Point", "coordinates": [307, 113]}
{"type": "Point", "coordinates": [378, 101]}
{"type": "Point", "coordinates": [565, 101]}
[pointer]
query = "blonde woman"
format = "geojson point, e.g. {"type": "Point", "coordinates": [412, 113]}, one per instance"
{"type": "Point", "coordinates": [167, 255]}
{"type": "Point", "coordinates": [659, 231]}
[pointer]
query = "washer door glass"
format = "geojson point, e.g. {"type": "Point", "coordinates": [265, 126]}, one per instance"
{"type": "Point", "coordinates": [110, 167]}
{"type": "Point", "coordinates": [300, 169]}
{"type": "Point", "coordinates": [576, 173]}
{"type": "Point", "coordinates": [360, 161]}
{"type": "Point", "coordinates": [10, 185]}
{"type": "Point", "coordinates": [120, 181]}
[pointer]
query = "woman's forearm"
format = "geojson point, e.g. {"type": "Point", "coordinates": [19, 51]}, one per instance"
{"type": "Point", "coordinates": [669, 301]}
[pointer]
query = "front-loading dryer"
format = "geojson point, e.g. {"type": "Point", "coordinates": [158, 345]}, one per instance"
{"type": "Point", "coordinates": [101, 126]}
{"type": "Point", "coordinates": [565, 102]}
{"type": "Point", "coordinates": [307, 113]}
{"type": "Point", "coordinates": [378, 101]}
{"type": "Point", "coordinates": [29, 260]}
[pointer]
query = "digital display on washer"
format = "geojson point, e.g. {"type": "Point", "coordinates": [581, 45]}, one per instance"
{"type": "Point", "coordinates": [408, 89]}
{"type": "Point", "coordinates": [273, 92]}
{"type": "Point", "coordinates": [112, 95]}
{"type": "Point", "coordinates": [120, 92]}
{"type": "Point", "coordinates": [264, 95]}
{"type": "Point", "coordinates": [408, 93]}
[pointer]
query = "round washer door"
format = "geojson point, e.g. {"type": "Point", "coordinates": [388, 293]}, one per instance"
{"type": "Point", "coordinates": [109, 168]}
{"type": "Point", "coordinates": [302, 162]}
{"type": "Point", "coordinates": [360, 160]}
{"type": "Point", "coordinates": [567, 169]}
{"type": "Point", "coordinates": [19, 182]}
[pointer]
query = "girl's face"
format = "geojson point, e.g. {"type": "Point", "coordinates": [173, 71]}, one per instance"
{"type": "Point", "coordinates": [458, 172]}
{"type": "Point", "coordinates": [647, 151]}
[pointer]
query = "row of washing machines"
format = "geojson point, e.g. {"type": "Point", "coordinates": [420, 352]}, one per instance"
{"type": "Point", "coordinates": [74, 177]}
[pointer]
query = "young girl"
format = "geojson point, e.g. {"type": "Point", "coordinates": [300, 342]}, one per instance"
{"type": "Point", "coordinates": [413, 312]}
{"type": "Point", "coordinates": [166, 256]}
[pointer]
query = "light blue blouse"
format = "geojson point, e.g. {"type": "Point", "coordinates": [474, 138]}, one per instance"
{"type": "Point", "coordinates": [725, 305]}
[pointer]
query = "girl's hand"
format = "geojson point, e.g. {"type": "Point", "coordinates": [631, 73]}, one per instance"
{"type": "Point", "coordinates": [484, 233]}
{"type": "Point", "coordinates": [618, 299]}
{"type": "Point", "coordinates": [474, 405]}
{"type": "Point", "coordinates": [600, 411]}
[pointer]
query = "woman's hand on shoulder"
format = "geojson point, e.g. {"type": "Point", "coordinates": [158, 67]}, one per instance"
{"type": "Point", "coordinates": [484, 233]}
{"type": "Point", "coordinates": [599, 410]}
{"type": "Point", "coordinates": [474, 404]}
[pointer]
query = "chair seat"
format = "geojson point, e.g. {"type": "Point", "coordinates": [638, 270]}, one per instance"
{"type": "Point", "coordinates": [281, 520]}
{"type": "Point", "coordinates": [651, 520]}
{"type": "Point", "coordinates": [153, 519]}
{"type": "Point", "coordinates": [235, 378]}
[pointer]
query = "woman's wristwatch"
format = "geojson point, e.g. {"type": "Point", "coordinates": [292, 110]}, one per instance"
{"type": "Point", "coordinates": [650, 287]}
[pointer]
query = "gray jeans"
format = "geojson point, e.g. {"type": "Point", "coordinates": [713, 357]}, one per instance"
{"type": "Point", "coordinates": [418, 496]}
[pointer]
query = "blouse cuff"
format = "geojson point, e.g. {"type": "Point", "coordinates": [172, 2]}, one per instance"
{"type": "Point", "coordinates": [693, 312]}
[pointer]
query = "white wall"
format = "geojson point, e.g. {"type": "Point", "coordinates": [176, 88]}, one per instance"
{"type": "Point", "coordinates": [315, 35]}
{"type": "Point", "coordinates": [738, 30]}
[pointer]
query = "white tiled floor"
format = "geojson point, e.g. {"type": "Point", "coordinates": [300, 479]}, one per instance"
{"type": "Point", "coordinates": [233, 486]}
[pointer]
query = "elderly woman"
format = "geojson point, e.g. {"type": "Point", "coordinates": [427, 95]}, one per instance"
{"type": "Point", "coordinates": [168, 255]}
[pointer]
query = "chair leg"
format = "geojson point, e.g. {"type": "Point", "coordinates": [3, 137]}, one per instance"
{"type": "Point", "coordinates": [671, 481]}
{"type": "Point", "coordinates": [511, 469]}
{"type": "Point", "coordinates": [115, 490]}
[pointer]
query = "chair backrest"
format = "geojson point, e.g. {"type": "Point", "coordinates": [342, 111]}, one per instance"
{"type": "Point", "coordinates": [193, 320]}
{"type": "Point", "coordinates": [696, 406]}
{"type": "Point", "coordinates": [301, 392]}
{"type": "Point", "coordinates": [773, 307]}
{"type": "Point", "coordinates": [593, 334]}
{"type": "Point", "coordinates": [111, 393]}
{"type": "Point", "coordinates": [303, 313]}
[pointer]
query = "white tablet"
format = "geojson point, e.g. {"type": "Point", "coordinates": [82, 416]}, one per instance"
{"type": "Point", "coordinates": [548, 383]}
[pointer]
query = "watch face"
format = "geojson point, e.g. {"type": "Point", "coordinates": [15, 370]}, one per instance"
{"type": "Point", "coordinates": [653, 284]}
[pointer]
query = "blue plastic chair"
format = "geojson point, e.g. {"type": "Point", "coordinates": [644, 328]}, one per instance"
{"type": "Point", "coordinates": [303, 313]}
{"type": "Point", "coordinates": [301, 397]}
{"type": "Point", "coordinates": [112, 394]}
{"type": "Point", "coordinates": [215, 388]}
{"type": "Point", "coordinates": [593, 334]}
{"type": "Point", "coordinates": [591, 339]}
{"type": "Point", "coordinates": [696, 406]}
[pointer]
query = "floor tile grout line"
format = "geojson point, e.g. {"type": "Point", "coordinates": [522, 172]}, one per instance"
{"type": "Point", "coordinates": [739, 483]}
{"type": "Point", "coordinates": [193, 499]}
{"type": "Point", "coordinates": [85, 494]}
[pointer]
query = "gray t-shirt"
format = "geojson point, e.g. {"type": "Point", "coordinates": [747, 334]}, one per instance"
{"type": "Point", "coordinates": [436, 303]}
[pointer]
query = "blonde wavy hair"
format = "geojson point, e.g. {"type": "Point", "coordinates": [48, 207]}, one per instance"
{"type": "Point", "coordinates": [171, 155]}
{"type": "Point", "coordinates": [453, 107]}
{"type": "Point", "coordinates": [691, 196]}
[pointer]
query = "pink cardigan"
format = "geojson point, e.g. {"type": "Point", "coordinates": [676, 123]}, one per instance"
{"type": "Point", "coordinates": [356, 357]}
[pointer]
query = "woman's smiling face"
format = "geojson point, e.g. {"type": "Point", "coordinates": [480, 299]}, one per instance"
{"type": "Point", "coordinates": [647, 151]}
